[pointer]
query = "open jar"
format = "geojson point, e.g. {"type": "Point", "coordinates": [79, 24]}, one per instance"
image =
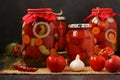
{"type": "Point", "coordinates": [39, 35]}
{"type": "Point", "coordinates": [79, 41]}
{"type": "Point", "coordinates": [104, 28]}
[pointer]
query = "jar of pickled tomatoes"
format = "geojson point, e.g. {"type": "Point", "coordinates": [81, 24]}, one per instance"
{"type": "Point", "coordinates": [39, 36]}
{"type": "Point", "coordinates": [104, 28]}
{"type": "Point", "coordinates": [79, 41]}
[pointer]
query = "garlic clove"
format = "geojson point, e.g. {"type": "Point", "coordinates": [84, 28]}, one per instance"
{"type": "Point", "coordinates": [77, 64]}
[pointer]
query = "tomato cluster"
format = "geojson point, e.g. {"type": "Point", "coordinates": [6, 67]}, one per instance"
{"type": "Point", "coordinates": [106, 59]}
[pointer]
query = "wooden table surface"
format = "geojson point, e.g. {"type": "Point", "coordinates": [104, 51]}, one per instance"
{"type": "Point", "coordinates": [67, 70]}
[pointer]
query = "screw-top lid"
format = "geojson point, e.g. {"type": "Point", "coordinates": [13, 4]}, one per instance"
{"type": "Point", "coordinates": [82, 25]}
{"type": "Point", "coordinates": [98, 10]}
{"type": "Point", "coordinates": [61, 18]}
{"type": "Point", "coordinates": [40, 10]}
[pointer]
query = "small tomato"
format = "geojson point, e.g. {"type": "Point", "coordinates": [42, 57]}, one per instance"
{"type": "Point", "coordinates": [17, 49]}
{"type": "Point", "coordinates": [55, 63]}
{"type": "Point", "coordinates": [97, 62]}
{"type": "Point", "coordinates": [113, 64]}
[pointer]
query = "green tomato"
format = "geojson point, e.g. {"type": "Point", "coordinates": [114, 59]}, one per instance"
{"type": "Point", "coordinates": [9, 47]}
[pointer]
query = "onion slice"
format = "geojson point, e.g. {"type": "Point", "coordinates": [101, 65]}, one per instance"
{"type": "Point", "coordinates": [113, 32]}
{"type": "Point", "coordinates": [46, 34]}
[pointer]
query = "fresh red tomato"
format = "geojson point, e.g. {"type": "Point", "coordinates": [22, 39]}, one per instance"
{"type": "Point", "coordinates": [107, 52]}
{"type": "Point", "coordinates": [113, 64]}
{"type": "Point", "coordinates": [56, 63]}
{"type": "Point", "coordinates": [17, 49]}
{"type": "Point", "coordinates": [97, 63]}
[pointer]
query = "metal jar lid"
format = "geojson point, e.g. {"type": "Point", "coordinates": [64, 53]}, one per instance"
{"type": "Point", "coordinates": [61, 18]}
{"type": "Point", "coordinates": [82, 25]}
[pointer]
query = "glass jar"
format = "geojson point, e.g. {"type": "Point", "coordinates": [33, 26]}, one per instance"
{"type": "Point", "coordinates": [104, 28]}
{"type": "Point", "coordinates": [79, 41]}
{"type": "Point", "coordinates": [39, 36]}
{"type": "Point", "coordinates": [62, 29]}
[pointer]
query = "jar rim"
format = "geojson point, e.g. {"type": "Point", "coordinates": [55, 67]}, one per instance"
{"type": "Point", "coordinates": [61, 18]}
{"type": "Point", "coordinates": [40, 10]}
{"type": "Point", "coordinates": [81, 25]}
{"type": "Point", "coordinates": [102, 10]}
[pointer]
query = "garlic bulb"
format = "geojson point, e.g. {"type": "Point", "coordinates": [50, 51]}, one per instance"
{"type": "Point", "coordinates": [77, 64]}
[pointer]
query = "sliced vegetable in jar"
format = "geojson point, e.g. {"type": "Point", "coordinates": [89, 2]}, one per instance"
{"type": "Point", "coordinates": [32, 42]}
{"type": "Point", "coordinates": [44, 50]}
{"type": "Point", "coordinates": [96, 49]}
{"type": "Point", "coordinates": [38, 41]}
{"type": "Point", "coordinates": [41, 35]}
{"type": "Point", "coordinates": [42, 29]}
{"type": "Point", "coordinates": [53, 51]}
{"type": "Point", "coordinates": [26, 39]}
{"type": "Point", "coordinates": [111, 35]}
{"type": "Point", "coordinates": [95, 30]}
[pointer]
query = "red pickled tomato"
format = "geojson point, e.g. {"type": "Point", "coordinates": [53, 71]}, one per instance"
{"type": "Point", "coordinates": [28, 30]}
{"type": "Point", "coordinates": [72, 37]}
{"type": "Point", "coordinates": [49, 41]}
{"type": "Point", "coordinates": [61, 42]}
{"type": "Point", "coordinates": [62, 28]}
{"type": "Point", "coordinates": [52, 28]}
{"type": "Point", "coordinates": [33, 52]}
{"type": "Point", "coordinates": [82, 34]}
{"type": "Point", "coordinates": [72, 51]}
{"type": "Point", "coordinates": [74, 40]}
{"type": "Point", "coordinates": [87, 45]}
{"type": "Point", "coordinates": [100, 37]}
{"type": "Point", "coordinates": [68, 36]}
{"type": "Point", "coordinates": [104, 44]}
{"type": "Point", "coordinates": [84, 43]}
{"type": "Point", "coordinates": [83, 56]}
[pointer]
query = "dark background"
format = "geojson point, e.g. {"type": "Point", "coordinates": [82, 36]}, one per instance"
{"type": "Point", "coordinates": [12, 11]}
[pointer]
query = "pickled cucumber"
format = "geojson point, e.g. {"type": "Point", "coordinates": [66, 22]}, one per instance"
{"type": "Point", "coordinates": [42, 31]}
{"type": "Point", "coordinates": [44, 50]}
